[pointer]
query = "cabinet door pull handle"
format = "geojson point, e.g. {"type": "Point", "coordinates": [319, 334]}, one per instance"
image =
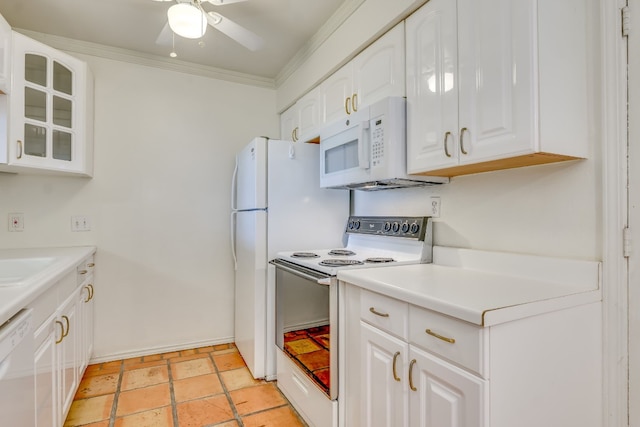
{"type": "Point", "coordinates": [347, 102]}
{"type": "Point", "coordinates": [66, 319]}
{"type": "Point", "coordinates": [295, 134]}
{"type": "Point", "coordinates": [446, 148]}
{"type": "Point", "coordinates": [88, 294]}
{"type": "Point", "coordinates": [19, 156]}
{"type": "Point", "coordinates": [61, 332]}
{"type": "Point", "coordinates": [462, 131]}
{"type": "Point", "coordinates": [440, 337]}
{"type": "Point", "coordinates": [411, 386]}
{"type": "Point", "coordinates": [377, 313]}
{"type": "Point", "coordinates": [395, 358]}
{"type": "Point", "coordinates": [354, 102]}
{"type": "Point", "coordinates": [91, 289]}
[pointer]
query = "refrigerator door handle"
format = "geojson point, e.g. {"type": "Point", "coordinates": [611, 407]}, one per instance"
{"type": "Point", "coordinates": [233, 240]}
{"type": "Point", "coordinates": [233, 186]}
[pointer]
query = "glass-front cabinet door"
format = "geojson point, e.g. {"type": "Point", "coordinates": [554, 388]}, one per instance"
{"type": "Point", "coordinates": [5, 55]}
{"type": "Point", "coordinates": [49, 126]}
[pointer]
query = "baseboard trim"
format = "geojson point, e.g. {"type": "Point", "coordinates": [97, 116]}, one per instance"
{"type": "Point", "coordinates": [157, 350]}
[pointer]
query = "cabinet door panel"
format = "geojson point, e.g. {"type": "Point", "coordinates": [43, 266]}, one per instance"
{"type": "Point", "coordinates": [309, 115]}
{"type": "Point", "coordinates": [335, 91]}
{"type": "Point", "coordinates": [385, 400]}
{"type": "Point", "coordinates": [495, 63]}
{"type": "Point", "coordinates": [378, 72]}
{"type": "Point", "coordinates": [446, 396]}
{"type": "Point", "coordinates": [68, 355]}
{"type": "Point", "coordinates": [45, 379]}
{"type": "Point", "coordinates": [289, 123]}
{"type": "Point", "coordinates": [432, 87]}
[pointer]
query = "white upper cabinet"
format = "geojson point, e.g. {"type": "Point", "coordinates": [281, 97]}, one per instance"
{"type": "Point", "coordinates": [301, 122]}
{"type": "Point", "coordinates": [337, 91]}
{"type": "Point", "coordinates": [5, 55]}
{"type": "Point", "coordinates": [495, 84]}
{"type": "Point", "coordinates": [376, 73]}
{"type": "Point", "coordinates": [50, 111]}
{"type": "Point", "coordinates": [289, 124]}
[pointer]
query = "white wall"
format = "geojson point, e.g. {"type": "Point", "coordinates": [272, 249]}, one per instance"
{"type": "Point", "coordinates": [159, 202]}
{"type": "Point", "coordinates": [552, 210]}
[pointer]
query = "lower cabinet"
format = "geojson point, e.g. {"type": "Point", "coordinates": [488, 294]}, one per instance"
{"type": "Point", "coordinates": [64, 342]}
{"type": "Point", "coordinates": [405, 366]}
{"type": "Point", "coordinates": [406, 386]}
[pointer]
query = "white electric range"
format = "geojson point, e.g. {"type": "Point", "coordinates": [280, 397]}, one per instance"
{"type": "Point", "coordinates": [307, 299]}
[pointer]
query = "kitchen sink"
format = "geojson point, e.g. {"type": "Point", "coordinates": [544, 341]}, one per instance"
{"type": "Point", "coordinates": [15, 271]}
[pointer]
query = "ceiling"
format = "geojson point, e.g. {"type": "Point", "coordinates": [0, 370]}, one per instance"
{"type": "Point", "coordinates": [134, 25]}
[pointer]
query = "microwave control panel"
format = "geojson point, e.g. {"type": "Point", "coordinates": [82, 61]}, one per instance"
{"type": "Point", "coordinates": [377, 141]}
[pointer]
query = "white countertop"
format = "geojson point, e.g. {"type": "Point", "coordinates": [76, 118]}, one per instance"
{"type": "Point", "coordinates": [15, 297]}
{"type": "Point", "coordinates": [526, 286]}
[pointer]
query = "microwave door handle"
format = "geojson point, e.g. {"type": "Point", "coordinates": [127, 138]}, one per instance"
{"type": "Point", "coordinates": [363, 145]}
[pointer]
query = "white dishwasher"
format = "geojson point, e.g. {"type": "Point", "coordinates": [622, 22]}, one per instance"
{"type": "Point", "coordinates": [17, 371]}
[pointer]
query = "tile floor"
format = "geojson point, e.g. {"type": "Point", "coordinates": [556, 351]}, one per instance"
{"type": "Point", "coordinates": [204, 387]}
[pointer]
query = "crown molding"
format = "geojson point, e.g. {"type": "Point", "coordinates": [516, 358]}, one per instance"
{"type": "Point", "coordinates": [139, 58]}
{"type": "Point", "coordinates": [329, 27]}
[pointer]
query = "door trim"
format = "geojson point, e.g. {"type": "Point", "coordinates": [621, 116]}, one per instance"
{"type": "Point", "coordinates": [614, 215]}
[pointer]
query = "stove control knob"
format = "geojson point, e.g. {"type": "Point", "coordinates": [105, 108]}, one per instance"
{"type": "Point", "coordinates": [414, 228]}
{"type": "Point", "coordinates": [356, 225]}
{"type": "Point", "coordinates": [405, 227]}
{"type": "Point", "coordinates": [395, 227]}
{"type": "Point", "coordinates": [387, 226]}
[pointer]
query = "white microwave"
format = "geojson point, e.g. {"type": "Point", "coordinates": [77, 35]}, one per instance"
{"type": "Point", "coordinates": [367, 150]}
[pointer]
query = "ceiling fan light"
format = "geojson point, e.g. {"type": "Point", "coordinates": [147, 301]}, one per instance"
{"type": "Point", "coordinates": [187, 21]}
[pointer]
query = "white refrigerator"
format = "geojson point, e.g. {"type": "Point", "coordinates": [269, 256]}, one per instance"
{"type": "Point", "coordinates": [277, 205]}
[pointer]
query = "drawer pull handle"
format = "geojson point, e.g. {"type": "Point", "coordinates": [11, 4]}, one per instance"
{"type": "Point", "coordinates": [83, 271]}
{"type": "Point", "coordinates": [440, 337]}
{"type": "Point", "coordinates": [91, 265]}
{"type": "Point", "coordinates": [377, 313]}
{"type": "Point", "coordinates": [61, 332]}
{"type": "Point", "coordinates": [395, 375]}
{"type": "Point", "coordinates": [411, 386]}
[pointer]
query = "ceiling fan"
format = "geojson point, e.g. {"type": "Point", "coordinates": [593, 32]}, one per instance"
{"type": "Point", "coordinates": [187, 18]}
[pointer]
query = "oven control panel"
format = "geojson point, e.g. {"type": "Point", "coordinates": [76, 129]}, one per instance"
{"type": "Point", "coordinates": [397, 226]}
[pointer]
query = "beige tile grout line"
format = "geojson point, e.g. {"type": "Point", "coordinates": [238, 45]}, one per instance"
{"type": "Point", "coordinates": [174, 404]}
{"type": "Point", "coordinates": [114, 405]}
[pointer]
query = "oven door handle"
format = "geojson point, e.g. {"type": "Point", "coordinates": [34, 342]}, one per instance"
{"type": "Point", "coordinates": [319, 278]}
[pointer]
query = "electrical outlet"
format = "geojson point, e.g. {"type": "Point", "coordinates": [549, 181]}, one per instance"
{"type": "Point", "coordinates": [16, 221]}
{"type": "Point", "coordinates": [434, 207]}
{"type": "Point", "coordinates": [80, 223]}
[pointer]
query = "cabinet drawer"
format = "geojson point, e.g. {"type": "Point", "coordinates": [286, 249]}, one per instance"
{"type": "Point", "coordinates": [385, 313]}
{"type": "Point", "coordinates": [85, 269]}
{"type": "Point", "coordinates": [453, 339]}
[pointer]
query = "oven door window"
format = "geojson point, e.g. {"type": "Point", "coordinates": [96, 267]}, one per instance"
{"type": "Point", "coordinates": [303, 329]}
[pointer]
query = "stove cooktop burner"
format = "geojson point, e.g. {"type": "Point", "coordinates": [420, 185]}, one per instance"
{"type": "Point", "coordinates": [340, 262]}
{"type": "Point", "coordinates": [304, 255]}
{"type": "Point", "coordinates": [341, 252]}
{"type": "Point", "coordinates": [379, 260]}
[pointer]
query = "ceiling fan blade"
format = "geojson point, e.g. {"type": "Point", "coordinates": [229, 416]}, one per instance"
{"type": "Point", "coordinates": [223, 2]}
{"type": "Point", "coordinates": [238, 33]}
{"type": "Point", "coordinates": [165, 36]}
